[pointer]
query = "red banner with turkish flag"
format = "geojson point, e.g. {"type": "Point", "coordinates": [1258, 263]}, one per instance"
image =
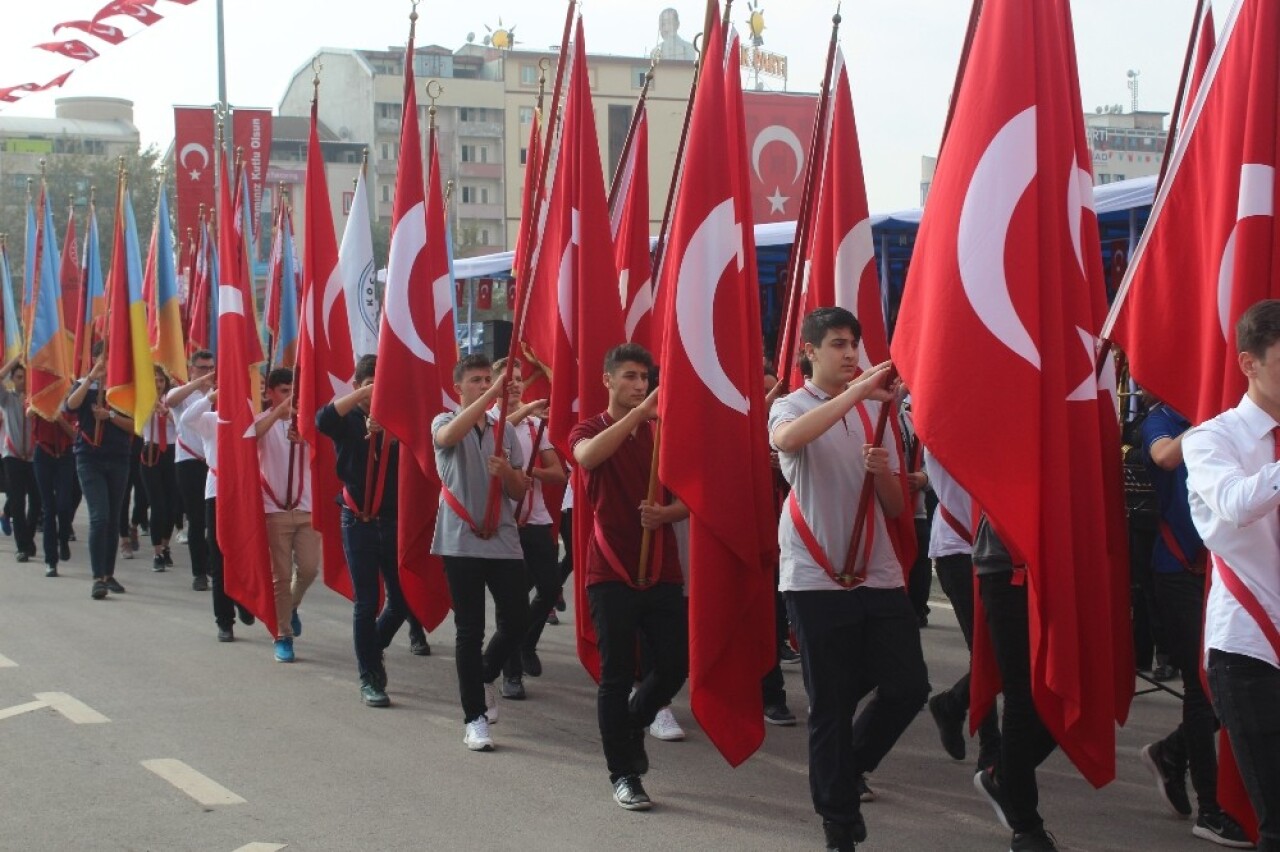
{"type": "Point", "coordinates": [1209, 250]}
{"type": "Point", "coordinates": [712, 385]}
{"type": "Point", "coordinates": [251, 133]}
{"type": "Point", "coordinates": [630, 225]}
{"type": "Point", "coordinates": [778, 127]}
{"type": "Point", "coordinates": [193, 143]}
{"type": "Point", "coordinates": [325, 361]}
{"type": "Point", "coordinates": [1002, 303]}
{"type": "Point", "coordinates": [242, 520]}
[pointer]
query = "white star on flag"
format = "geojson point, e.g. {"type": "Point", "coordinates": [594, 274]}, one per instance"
{"type": "Point", "coordinates": [777, 201]}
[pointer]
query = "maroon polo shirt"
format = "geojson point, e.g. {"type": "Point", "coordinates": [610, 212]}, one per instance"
{"type": "Point", "coordinates": [615, 490]}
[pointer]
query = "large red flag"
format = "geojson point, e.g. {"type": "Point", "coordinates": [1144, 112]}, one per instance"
{"type": "Point", "coordinates": [408, 392]}
{"type": "Point", "coordinates": [630, 225]}
{"type": "Point", "coordinates": [326, 363]}
{"type": "Point", "coordinates": [1002, 302]}
{"type": "Point", "coordinates": [712, 385]}
{"type": "Point", "coordinates": [242, 520]}
{"type": "Point", "coordinates": [575, 315]}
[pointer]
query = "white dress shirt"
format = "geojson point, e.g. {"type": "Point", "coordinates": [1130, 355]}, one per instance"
{"type": "Point", "coordinates": [1233, 481]}
{"type": "Point", "coordinates": [526, 431]}
{"type": "Point", "coordinates": [201, 423]}
{"type": "Point", "coordinates": [189, 443]}
{"type": "Point", "coordinates": [943, 539]}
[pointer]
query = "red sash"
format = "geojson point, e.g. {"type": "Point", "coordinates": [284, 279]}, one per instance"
{"type": "Point", "coordinates": [189, 451]}
{"type": "Point", "coordinates": [1249, 601]}
{"type": "Point", "coordinates": [373, 488]}
{"type": "Point", "coordinates": [460, 510]}
{"type": "Point", "coordinates": [1175, 549]}
{"type": "Point", "coordinates": [611, 559]}
{"type": "Point", "coordinates": [957, 527]}
{"type": "Point", "coordinates": [525, 510]}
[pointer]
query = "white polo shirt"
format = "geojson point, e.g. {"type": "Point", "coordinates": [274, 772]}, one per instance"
{"type": "Point", "coordinates": [826, 479]}
{"type": "Point", "coordinates": [1233, 482]}
{"type": "Point", "coordinates": [943, 539]}
{"type": "Point", "coordinates": [274, 447]}
{"type": "Point", "coordinates": [534, 512]}
{"type": "Point", "coordinates": [190, 444]}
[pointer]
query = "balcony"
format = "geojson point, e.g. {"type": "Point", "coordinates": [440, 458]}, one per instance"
{"type": "Point", "coordinates": [492, 171]}
{"type": "Point", "coordinates": [480, 211]}
{"type": "Point", "coordinates": [387, 125]}
{"type": "Point", "coordinates": [480, 129]}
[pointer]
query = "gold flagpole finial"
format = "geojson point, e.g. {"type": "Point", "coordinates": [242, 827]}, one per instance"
{"type": "Point", "coordinates": [431, 110]}
{"type": "Point", "coordinates": [43, 169]}
{"type": "Point", "coordinates": [239, 156]}
{"type": "Point", "coordinates": [93, 195]}
{"type": "Point", "coordinates": [364, 163]}
{"type": "Point", "coordinates": [316, 67]}
{"type": "Point", "coordinates": [448, 192]}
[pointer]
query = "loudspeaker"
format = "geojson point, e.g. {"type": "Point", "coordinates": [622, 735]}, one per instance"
{"type": "Point", "coordinates": [497, 338]}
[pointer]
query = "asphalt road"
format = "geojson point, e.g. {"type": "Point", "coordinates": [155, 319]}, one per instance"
{"type": "Point", "coordinates": [124, 725]}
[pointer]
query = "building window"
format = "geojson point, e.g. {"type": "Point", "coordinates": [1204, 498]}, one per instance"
{"type": "Point", "coordinates": [468, 153]}
{"type": "Point", "coordinates": [386, 151]}
{"type": "Point", "coordinates": [528, 75]}
{"type": "Point", "coordinates": [484, 236]}
{"type": "Point", "coordinates": [524, 156]}
{"type": "Point", "coordinates": [472, 114]}
{"type": "Point", "coordinates": [468, 195]}
{"type": "Point", "coordinates": [526, 115]}
{"type": "Point", "coordinates": [637, 77]}
{"type": "Point", "coordinates": [484, 153]}
{"type": "Point", "coordinates": [386, 194]}
{"type": "Point", "coordinates": [388, 111]}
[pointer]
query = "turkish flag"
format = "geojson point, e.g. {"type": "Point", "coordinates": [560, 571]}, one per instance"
{"type": "Point", "coordinates": [325, 360]}
{"type": "Point", "coordinates": [1208, 251]}
{"type": "Point", "coordinates": [574, 314]}
{"type": "Point", "coordinates": [421, 573]}
{"type": "Point", "coordinates": [72, 49]}
{"type": "Point", "coordinates": [139, 10]}
{"type": "Point", "coordinates": [242, 522]}
{"type": "Point", "coordinates": [711, 405]}
{"type": "Point", "coordinates": [1204, 40]}
{"type": "Point", "coordinates": [778, 128]}
{"type": "Point", "coordinates": [1004, 297]}
{"type": "Point", "coordinates": [484, 295]}
{"type": "Point", "coordinates": [630, 224]}
{"type": "Point", "coordinates": [106, 32]}
{"type": "Point", "coordinates": [193, 145]}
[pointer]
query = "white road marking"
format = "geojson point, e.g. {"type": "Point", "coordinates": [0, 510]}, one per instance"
{"type": "Point", "coordinates": [262, 847]}
{"type": "Point", "coordinates": [21, 708]}
{"type": "Point", "coordinates": [200, 787]}
{"type": "Point", "coordinates": [6, 663]}
{"type": "Point", "coordinates": [75, 710]}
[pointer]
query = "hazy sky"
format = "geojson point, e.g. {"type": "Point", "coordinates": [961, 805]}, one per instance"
{"type": "Point", "coordinates": [902, 55]}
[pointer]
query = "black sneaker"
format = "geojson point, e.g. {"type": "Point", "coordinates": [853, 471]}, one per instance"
{"type": "Point", "coordinates": [372, 695]}
{"type": "Point", "coordinates": [114, 585]}
{"type": "Point", "coordinates": [225, 634]}
{"type": "Point", "coordinates": [629, 793]}
{"type": "Point", "coordinates": [418, 645]}
{"type": "Point", "coordinates": [51, 571]}
{"type": "Point", "coordinates": [22, 556]}
{"type": "Point", "coordinates": [844, 836]}
{"type": "Point", "coordinates": [950, 728]}
{"type": "Point", "coordinates": [378, 677]}
{"type": "Point", "coordinates": [1218, 827]}
{"type": "Point", "coordinates": [99, 590]}
{"type": "Point", "coordinates": [157, 564]}
{"type": "Point", "coordinates": [513, 688]}
{"type": "Point", "coordinates": [168, 557]}
{"type": "Point", "coordinates": [560, 604]}
{"type": "Point", "coordinates": [985, 783]}
{"type": "Point", "coordinates": [1171, 779]}
{"type": "Point", "coordinates": [246, 617]}
{"type": "Point", "coordinates": [1164, 672]}
{"type": "Point", "coordinates": [530, 663]}
{"type": "Point", "coordinates": [1037, 840]}
{"type": "Point", "coordinates": [865, 793]}
{"type": "Point", "coordinates": [64, 552]}
{"type": "Point", "coordinates": [787, 655]}
{"type": "Point", "coordinates": [200, 584]}
{"type": "Point", "coordinates": [779, 714]}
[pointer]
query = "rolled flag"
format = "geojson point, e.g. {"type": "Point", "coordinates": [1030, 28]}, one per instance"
{"type": "Point", "coordinates": [12, 330]}
{"type": "Point", "coordinates": [47, 347]}
{"type": "Point", "coordinates": [285, 351]}
{"type": "Point", "coordinates": [131, 386]}
{"type": "Point", "coordinates": [355, 263]}
{"type": "Point", "coordinates": [167, 345]}
{"type": "Point", "coordinates": [92, 311]}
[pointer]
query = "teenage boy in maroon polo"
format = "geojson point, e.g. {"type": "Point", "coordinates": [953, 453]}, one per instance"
{"type": "Point", "coordinates": [615, 450]}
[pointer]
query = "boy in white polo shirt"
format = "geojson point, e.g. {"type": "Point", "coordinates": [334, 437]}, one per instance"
{"type": "Point", "coordinates": [854, 635]}
{"type": "Point", "coordinates": [1233, 483]}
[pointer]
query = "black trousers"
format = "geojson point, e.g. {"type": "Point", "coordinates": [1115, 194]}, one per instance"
{"type": "Point", "coordinates": [542, 571]}
{"type": "Point", "coordinates": [224, 612]}
{"type": "Point", "coordinates": [160, 482]}
{"type": "Point", "coordinates": [955, 574]}
{"type": "Point", "coordinates": [468, 578]}
{"type": "Point", "coordinates": [621, 615]}
{"type": "Point", "coordinates": [1246, 693]}
{"type": "Point", "coordinates": [1180, 600]}
{"type": "Point", "coordinates": [850, 643]}
{"type": "Point", "coordinates": [133, 490]}
{"type": "Point", "coordinates": [370, 548]}
{"type": "Point", "coordinates": [23, 504]}
{"type": "Point", "coordinates": [56, 477]}
{"type": "Point", "coordinates": [1025, 741]}
{"type": "Point", "coordinates": [191, 475]}
{"type": "Point", "coordinates": [920, 578]}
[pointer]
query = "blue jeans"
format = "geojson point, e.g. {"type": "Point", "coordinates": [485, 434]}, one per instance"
{"type": "Point", "coordinates": [1246, 693]}
{"type": "Point", "coordinates": [103, 479]}
{"type": "Point", "coordinates": [370, 548]}
{"type": "Point", "coordinates": [55, 476]}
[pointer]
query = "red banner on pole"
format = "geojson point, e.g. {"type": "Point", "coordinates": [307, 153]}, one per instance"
{"type": "Point", "coordinates": [193, 144]}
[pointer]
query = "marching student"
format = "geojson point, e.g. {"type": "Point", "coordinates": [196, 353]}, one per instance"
{"type": "Point", "coordinates": [614, 449]}
{"type": "Point", "coordinates": [476, 559]}
{"type": "Point", "coordinates": [23, 496]}
{"type": "Point", "coordinates": [190, 468]}
{"type": "Point", "coordinates": [104, 442]}
{"type": "Point", "coordinates": [1233, 478]}
{"type": "Point", "coordinates": [286, 495]}
{"type": "Point", "coordinates": [158, 477]}
{"type": "Point", "coordinates": [537, 540]}
{"type": "Point", "coordinates": [852, 635]}
{"type": "Point", "coordinates": [55, 470]}
{"type": "Point", "coordinates": [370, 501]}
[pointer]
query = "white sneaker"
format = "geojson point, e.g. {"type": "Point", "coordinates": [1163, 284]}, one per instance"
{"type": "Point", "coordinates": [181, 537]}
{"type": "Point", "coordinates": [126, 552]}
{"type": "Point", "coordinates": [665, 726]}
{"type": "Point", "coordinates": [491, 703]}
{"type": "Point", "coordinates": [477, 737]}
